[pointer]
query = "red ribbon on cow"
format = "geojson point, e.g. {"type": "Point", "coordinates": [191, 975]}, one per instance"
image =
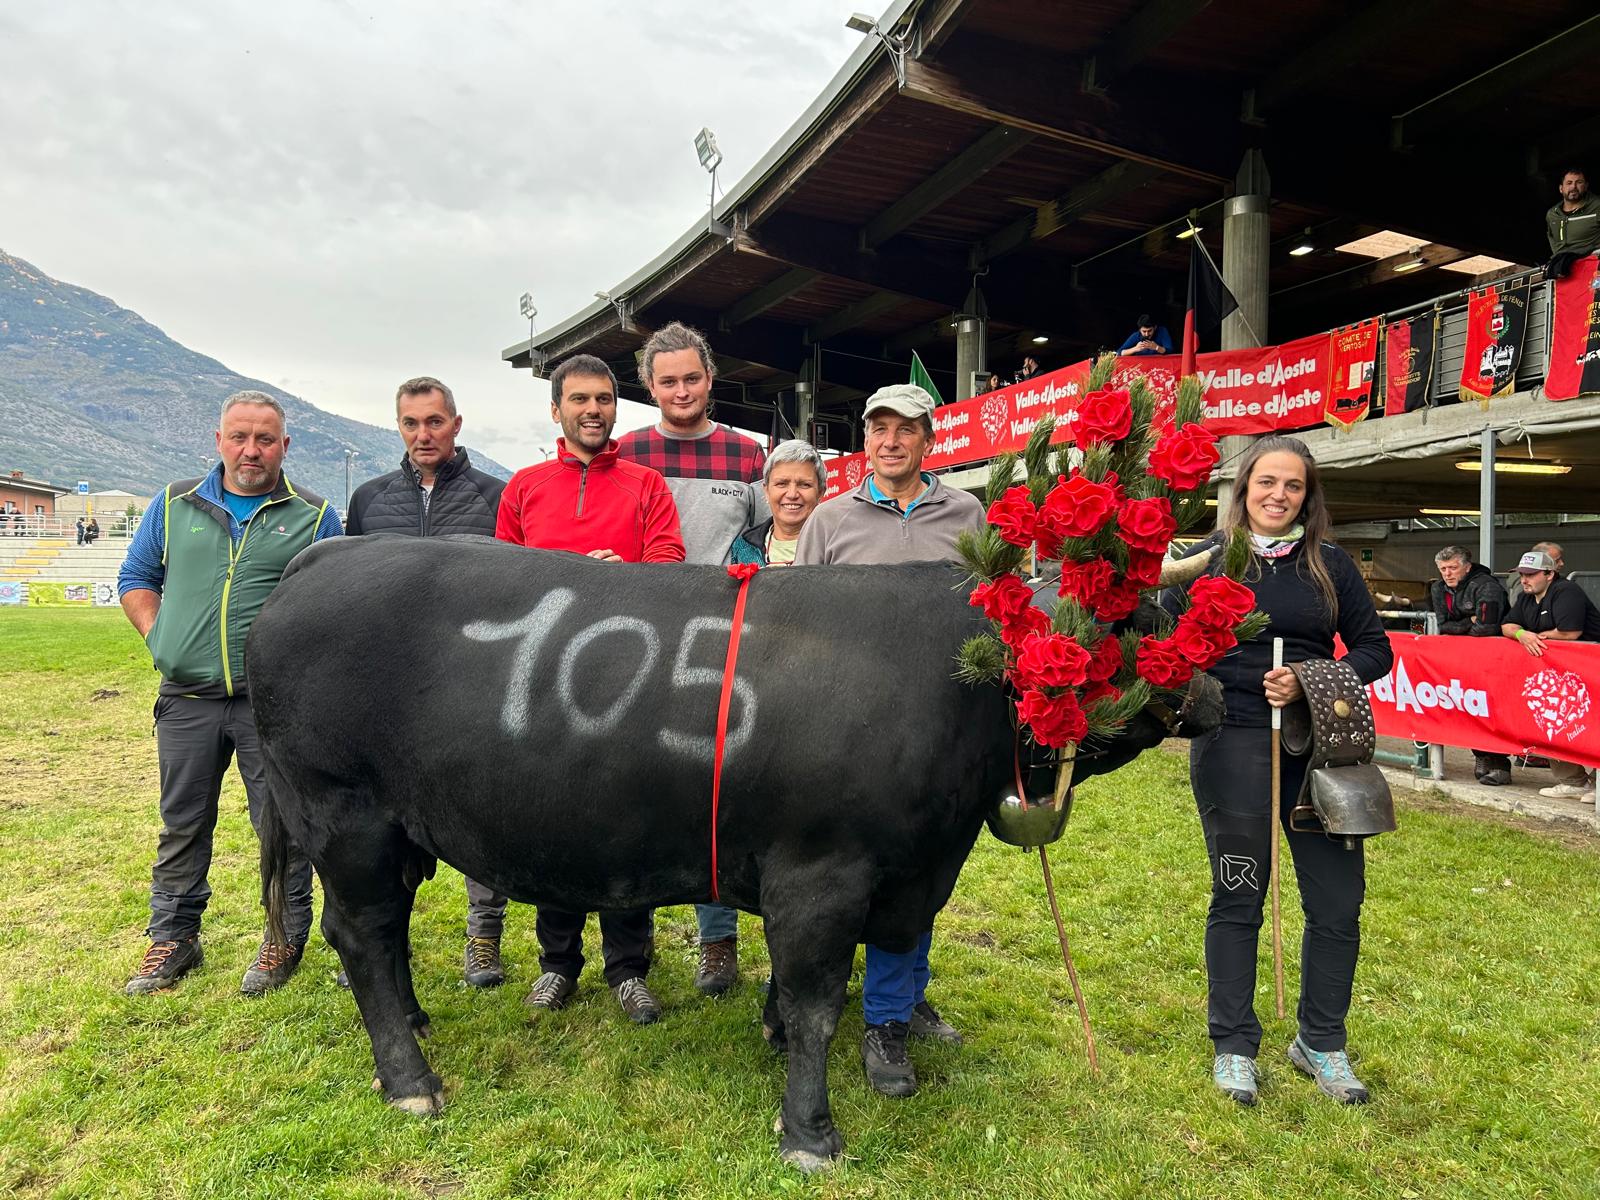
{"type": "Point", "coordinates": [743, 572]}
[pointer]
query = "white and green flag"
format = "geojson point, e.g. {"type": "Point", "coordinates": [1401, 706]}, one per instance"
{"type": "Point", "coordinates": [920, 377]}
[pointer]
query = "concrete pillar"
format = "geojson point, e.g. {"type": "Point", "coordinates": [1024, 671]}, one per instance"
{"type": "Point", "coordinates": [805, 398]}
{"type": "Point", "coordinates": [972, 342]}
{"type": "Point", "coordinates": [1486, 449]}
{"type": "Point", "coordinates": [1246, 244]}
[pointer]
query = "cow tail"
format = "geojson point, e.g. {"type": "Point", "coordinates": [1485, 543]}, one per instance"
{"type": "Point", "coordinates": [274, 837]}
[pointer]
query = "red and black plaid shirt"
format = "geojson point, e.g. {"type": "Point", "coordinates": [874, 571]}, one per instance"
{"type": "Point", "coordinates": [721, 454]}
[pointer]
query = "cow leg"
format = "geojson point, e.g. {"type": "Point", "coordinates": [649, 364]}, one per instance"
{"type": "Point", "coordinates": [813, 947]}
{"type": "Point", "coordinates": [366, 917]}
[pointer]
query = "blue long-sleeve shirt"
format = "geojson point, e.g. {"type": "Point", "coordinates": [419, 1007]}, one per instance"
{"type": "Point", "coordinates": [1162, 338]}
{"type": "Point", "coordinates": [143, 568]}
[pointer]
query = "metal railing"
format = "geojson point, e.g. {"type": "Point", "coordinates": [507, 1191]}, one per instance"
{"type": "Point", "coordinates": [120, 526]}
{"type": "Point", "coordinates": [1426, 760]}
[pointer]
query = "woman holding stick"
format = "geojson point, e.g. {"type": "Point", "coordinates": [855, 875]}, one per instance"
{"type": "Point", "coordinates": [1311, 590]}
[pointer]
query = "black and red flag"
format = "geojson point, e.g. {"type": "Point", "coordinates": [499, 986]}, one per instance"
{"type": "Point", "coordinates": [1408, 362]}
{"type": "Point", "coordinates": [1497, 320]}
{"type": "Point", "coordinates": [1210, 302]}
{"type": "Point", "coordinates": [1575, 333]}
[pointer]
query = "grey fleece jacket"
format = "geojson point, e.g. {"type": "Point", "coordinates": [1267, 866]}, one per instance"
{"type": "Point", "coordinates": [853, 528]}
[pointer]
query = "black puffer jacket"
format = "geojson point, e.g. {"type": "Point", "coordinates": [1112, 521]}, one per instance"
{"type": "Point", "coordinates": [1456, 607]}
{"type": "Point", "coordinates": [465, 500]}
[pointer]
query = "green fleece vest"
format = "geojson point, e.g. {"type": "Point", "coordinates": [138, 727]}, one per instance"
{"type": "Point", "coordinates": [213, 589]}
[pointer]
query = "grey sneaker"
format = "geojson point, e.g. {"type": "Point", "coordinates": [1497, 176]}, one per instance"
{"type": "Point", "coordinates": [550, 991]}
{"type": "Point", "coordinates": [1331, 1070]}
{"type": "Point", "coordinates": [165, 963]}
{"type": "Point", "coordinates": [641, 1007]}
{"type": "Point", "coordinates": [483, 969]}
{"type": "Point", "coordinates": [271, 969]}
{"type": "Point", "coordinates": [927, 1023]}
{"type": "Point", "coordinates": [883, 1054]}
{"type": "Point", "coordinates": [1235, 1076]}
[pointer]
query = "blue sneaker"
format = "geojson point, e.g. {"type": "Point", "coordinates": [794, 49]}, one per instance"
{"type": "Point", "coordinates": [1331, 1070]}
{"type": "Point", "coordinates": [1235, 1075]}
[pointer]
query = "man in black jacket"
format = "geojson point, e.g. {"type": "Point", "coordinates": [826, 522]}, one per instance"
{"type": "Point", "coordinates": [1468, 599]}
{"type": "Point", "coordinates": [437, 490]}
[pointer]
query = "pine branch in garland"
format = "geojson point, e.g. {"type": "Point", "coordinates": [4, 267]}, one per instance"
{"type": "Point", "coordinates": [986, 554]}
{"type": "Point", "coordinates": [1076, 622]}
{"type": "Point", "coordinates": [1100, 374]}
{"type": "Point", "coordinates": [1002, 474]}
{"type": "Point", "coordinates": [1191, 402]}
{"type": "Point", "coordinates": [981, 659]}
{"type": "Point", "coordinates": [1036, 454]}
{"type": "Point", "coordinates": [1110, 716]}
{"type": "Point", "coordinates": [1236, 558]}
{"type": "Point", "coordinates": [1252, 626]}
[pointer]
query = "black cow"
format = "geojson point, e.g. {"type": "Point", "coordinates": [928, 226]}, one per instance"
{"type": "Point", "coordinates": [544, 723]}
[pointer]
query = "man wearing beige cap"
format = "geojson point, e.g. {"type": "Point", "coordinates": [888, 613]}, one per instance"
{"type": "Point", "coordinates": [899, 513]}
{"type": "Point", "coordinates": [1552, 609]}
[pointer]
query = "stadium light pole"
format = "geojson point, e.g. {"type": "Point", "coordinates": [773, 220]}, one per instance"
{"type": "Point", "coordinates": [530, 314]}
{"type": "Point", "coordinates": [705, 148]}
{"type": "Point", "coordinates": [899, 45]}
{"type": "Point", "coordinates": [349, 455]}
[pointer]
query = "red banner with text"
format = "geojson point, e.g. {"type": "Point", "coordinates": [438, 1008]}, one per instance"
{"type": "Point", "coordinates": [1491, 694]}
{"type": "Point", "coordinates": [1246, 391]}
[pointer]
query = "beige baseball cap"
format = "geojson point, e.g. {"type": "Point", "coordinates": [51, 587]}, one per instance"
{"type": "Point", "coordinates": [907, 399]}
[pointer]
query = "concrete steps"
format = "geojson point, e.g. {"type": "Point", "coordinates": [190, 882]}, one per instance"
{"type": "Point", "coordinates": [53, 559]}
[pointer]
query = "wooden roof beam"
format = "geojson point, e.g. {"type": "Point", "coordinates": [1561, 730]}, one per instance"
{"type": "Point", "coordinates": [1136, 38]}
{"type": "Point", "coordinates": [1115, 181]}
{"type": "Point", "coordinates": [767, 296]}
{"type": "Point", "coordinates": [851, 315]}
{"type": "Point", "coordinates": [993, 148]}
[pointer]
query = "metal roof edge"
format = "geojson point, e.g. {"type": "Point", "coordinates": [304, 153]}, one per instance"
{"type": "Point", "coordinates": [830, 97]}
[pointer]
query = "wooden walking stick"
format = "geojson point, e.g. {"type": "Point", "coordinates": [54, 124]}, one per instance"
{"type": "Point", "coordinates": [1066, 956]}
{"type": "Point", "coordinates": [1272, 827]}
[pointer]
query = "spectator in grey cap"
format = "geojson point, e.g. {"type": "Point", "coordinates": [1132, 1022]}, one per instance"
{"type": "Point", "coordinates": [899, 513]}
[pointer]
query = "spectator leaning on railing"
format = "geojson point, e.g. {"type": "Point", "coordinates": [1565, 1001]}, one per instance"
{"type": "Point", "coordinates": [1467, 599]}
{"type": "Point", "coordinates": [1572, 224]}
{"type": "Point", "coordinates": [1552, 609]}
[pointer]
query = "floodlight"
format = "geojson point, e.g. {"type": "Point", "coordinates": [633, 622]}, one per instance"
{"type": "Point", "coordinates": [705, 145]}
{"type": "Point", "coordinates": [1302, 250]}
{"type": "Point", "coordinates": [528, 310]}
{"type": "Point", "coordinates": [1411, 264]}
{"type": "Point", "coordinates": [861, 23]}
{"type": "Point", "coordinates": [1040, 340]}
{"type": "Point", "coordinates": [1188, 231]}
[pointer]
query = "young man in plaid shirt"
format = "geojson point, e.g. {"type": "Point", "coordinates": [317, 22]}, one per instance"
{"type": "Point", "coordinates": [714, 475]}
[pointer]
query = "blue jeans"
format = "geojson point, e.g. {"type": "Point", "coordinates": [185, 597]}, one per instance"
{"type": "Point", "coordinates": [718, 922]}
{"type": "Point", "coordinates": [896, 983]}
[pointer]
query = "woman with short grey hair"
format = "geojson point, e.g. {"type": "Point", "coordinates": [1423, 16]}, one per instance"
{"type": "Point", "coordinates": [794, 480]}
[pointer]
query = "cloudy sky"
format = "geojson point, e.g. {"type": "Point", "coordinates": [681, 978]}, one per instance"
{"type": "Point", "coordinates": [333, 195]}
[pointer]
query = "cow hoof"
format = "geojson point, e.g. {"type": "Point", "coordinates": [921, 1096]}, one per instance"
{"type": "Point", "coordinates": [420, 1106]}
{"type": "Point", "coordinates": [775, 1037]}
{"type": "Point", "coordinates": [420, 1025]}
{"type": "Point", "coordinates": [806, 1162]}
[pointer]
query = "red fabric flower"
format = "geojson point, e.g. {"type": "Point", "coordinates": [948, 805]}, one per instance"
{"type": "Point", "coordinates": [1050, 660]}
{"type": "Point", "coordinates": [1103, 416]}
{"type": "Point", "coordinates": [1144, 568]}
{"type": "Point", "coordinates": [1147, 524]}
{"type": "Point", "coordinates": [1083, 581]}
{"type": "Point", "coordinates": [1097, 692]}
{"type": "Point", "coordinates": [1054, 720]}
{"type": "Point", "coordinates": [1076, 507]}
{"type": "Point", "coordinates": [1218, 601]}
{"type": "Point", "coordinates": [1025, 623]}
{"type": "Point", "coordinates": [1117, 601]}
{"type": "Point", "coordinates": [743, 571]}
{"type": "Point", "coordinates": [1014, 516]}
{"type": "Point", "coordinates": [1185, 458]}
{"type": "Point", "coordinates": [1202, 645]}
{"type": "Point", "coordinates": [1160, 665]}
{"type": "Point", "coordinates": [1105, 661]}
{"type": "Point", "coordinates": [1003, 598]}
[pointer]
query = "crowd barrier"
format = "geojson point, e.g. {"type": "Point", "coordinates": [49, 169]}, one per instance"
{"type": "Point", "coordinates": [1491, 694]}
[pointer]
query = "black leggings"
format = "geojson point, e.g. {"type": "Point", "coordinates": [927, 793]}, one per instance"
{"type": "Point", "coordinates": [1231, 772]}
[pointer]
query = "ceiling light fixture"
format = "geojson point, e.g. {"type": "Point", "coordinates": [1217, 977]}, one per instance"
{"type": "Point", "coordinates": [1413, 263]}
{"type": "Point", "coordinates": [1516, 468]}
{"type": "Point", "coordinates": [1303, 247]}
{"type": "Point", "coordinates": [1040, 340]}
{"type": "Point", "coordinates": [1448, 512]}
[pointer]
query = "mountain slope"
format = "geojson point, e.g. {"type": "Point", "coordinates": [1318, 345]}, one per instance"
{"type": "Point", "coordinates": [91, 390]}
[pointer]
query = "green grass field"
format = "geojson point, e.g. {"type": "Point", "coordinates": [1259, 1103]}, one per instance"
{"type": "Point", "coordinates": [1476, 1022]}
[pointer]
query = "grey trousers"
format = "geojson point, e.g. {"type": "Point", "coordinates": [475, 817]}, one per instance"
{"type": "Point", "coordinates": [195, 741]}
{"type": "Point", "coordinates": [486, 911]}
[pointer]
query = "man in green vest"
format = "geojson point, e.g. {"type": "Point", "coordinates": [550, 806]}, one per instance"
{"type": "Point", "coordinates": [207, 555]}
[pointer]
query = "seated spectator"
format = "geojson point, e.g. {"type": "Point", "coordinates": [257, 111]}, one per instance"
{"type": "Point", "coordinates": [1466, 599]}
{"type": "Point", "coordinates": [91, 531]}
{"type": "Point", "coordinates": [1514, 580]}
{"type": "Point", "coordinates": [1552, 609]}
{"type": "Point", "coordinates": [1148, 338]}
{"type": "Point", "coordinates": [993, 384]}
{"type": "Point", "coordinates": [1572, 225]}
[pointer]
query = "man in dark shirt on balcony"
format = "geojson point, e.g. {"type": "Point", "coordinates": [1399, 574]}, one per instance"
{"type": "Point", "coordinates": [1572, 224]}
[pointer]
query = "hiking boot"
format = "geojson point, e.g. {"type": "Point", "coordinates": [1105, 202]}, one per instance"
{"type": "Point", "coordinates": [272, 968]}
{"type": "Point", "coordinates": [719, 966]}
{"type": "Point", "coordinates": [927, 1023]}
{"type": "Point", "coordinates": [883, 1054]}
{"type": "Point", "coordinates": [1235, 1076]}
{"type": "Point", "coordinates": [642, 1008]}
{"type": "Point", "coordinates": [483, 968]}
{"type": "Point", "coordinates": [165, 963]}
{"type": "Point", "coordinates": [1495, 778]}
{"type": "Point", "coordinates": [550, 991]}
{"type": "Point", "coordinates": [1331, 1070]}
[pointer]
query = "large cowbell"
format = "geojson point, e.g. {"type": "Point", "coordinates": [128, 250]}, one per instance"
{"type": "Point", "coordinates": [1345, 794]}
{"type": "Point", "coordinates": [1037, 816]}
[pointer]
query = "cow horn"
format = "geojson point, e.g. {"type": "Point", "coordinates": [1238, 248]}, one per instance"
{"type": "Point", "coordinates": [1178, 571]}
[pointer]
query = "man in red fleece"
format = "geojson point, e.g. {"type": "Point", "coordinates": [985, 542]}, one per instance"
{"type": "Point", "coordinates": [589, 501]}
